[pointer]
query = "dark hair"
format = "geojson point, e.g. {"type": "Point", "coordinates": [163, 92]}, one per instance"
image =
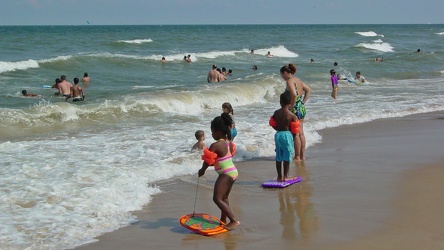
{"type": "Point", "coordinates": [76, 80]}
{"type": "Point", "coordinates": [290, 68]}
{"type": "Point", "coordinates": [285, 98]}
{"type": "Point", "coordinates": [24, 92]}
{"type": "Point", "coordinates": [199, 134]}
{"type": "Point", "coordinates": [218, 70]}
{"type": "Point", "coordinates": [85, 74]}
{"type": "Point", "coordinates": [332, 71]}
{"type": "Point", "coordinates": [222, 124]}
{"type": "Point", "coordinates": [63, 77]}
{"type": "Point", "coordinates": [358, 72]}
{"type": "Point", "coordinates": [214, 66]}
{"type": "Point", "coordinates": [185, 57]}
{"type": "Point", "coordinates": [57, 80]}
{"type": "Point", "coordinates": [224, 69]}
{"type": "Point", "coordinates": [230, 71]}
{"type": "Point", "coordinates": [227, 105]}
{"type": "Point", "coordinates": [335, 64]}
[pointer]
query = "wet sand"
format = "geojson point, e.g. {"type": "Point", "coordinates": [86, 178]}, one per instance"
{"type": "Point", "coordinates": [368, 186]}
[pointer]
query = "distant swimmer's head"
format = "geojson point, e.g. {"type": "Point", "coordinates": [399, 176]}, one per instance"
{"type": "Point", "coordinates": [230, 71]}
{"type": "Point", "coordinates": [185, 57]}
{"type": "Point", "coordinates": [224, 69]}
{"type": "Point", "coordinates": [254, 67]}
{"type": "Point", "coordinates": [312, 61]}
{"type": "Point", "coordinates": [24, 92]}
{"type": "Point", "coordinates": [335, 64]}
{"type": "Point", "coordinates": [358, 74]}
{"type": "Point", "coordinates": [63, 78]}
{"type": "Point", "coordinates": [200, 135]}
{"type": "Point", "coordinates": [252, 51]}
{"type": "Point", "coordinates": [189, 56]}
{"type": "Point", "coordinates": [76, 80]}
{"type": "Point", "coordinates": [285, 98]}
{"type": "Point", "coordinates": [163, 58]}
{"type": "Point", "coordinates": [57, 80]}
{"type": "Point", "coordinates": [418, 50]}
{"type": "Point", "coordinates": [219, 70]}
{"type": "Point", "coordinates": [214, 66]}
{"type": "Point", "coordinates": [85, 74]}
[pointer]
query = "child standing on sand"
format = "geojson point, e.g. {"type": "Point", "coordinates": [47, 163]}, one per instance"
{"type": "Point", "coordinates": [227, 108]}
{"type": "Point", "coordinates": [220, 156]}
{"type": "Point", "coordinates": [200, 137]}
{"type": "Point", "coordinates": [286, 124]}
{"type": "Point", "coordinates": [334, 83]}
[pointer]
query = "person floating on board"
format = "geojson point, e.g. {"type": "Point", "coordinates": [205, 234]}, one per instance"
{"type": "Point", "coordinates": [334, 83]}
{"type": "Point", "coordinates": [200, 137]}
{"type": "Point", "coordinates": [227, 108]}
{"type": "Point", "coordinates": [76, 92]}
{"type": "Point", "coordinates": [286, 125]}
{"type": "Point", "coordinates": [220, 155]}
{"type": "Point", "coordinates": [359, 78]}
{"type": "Point", "coordinates": [25, 93]}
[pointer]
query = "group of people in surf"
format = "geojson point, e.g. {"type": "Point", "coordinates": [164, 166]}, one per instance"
{"type": "Point", "coordinates": [218, 75]}
{"type": "Point", "coordinates": [67, 90]}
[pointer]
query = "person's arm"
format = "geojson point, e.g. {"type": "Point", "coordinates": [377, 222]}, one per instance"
{"type": "Point", "coordinates": [292, 89]}
{"type": "Point", "coordinates": [83, 93]}
{"type": "Point", "coordinates": [209, 157]}
{"type": "Point", "coordinates": [307, 92]}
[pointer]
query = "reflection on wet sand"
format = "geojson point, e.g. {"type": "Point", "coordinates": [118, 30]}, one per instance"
{"type": "Point", "coordinates": [295, 201]}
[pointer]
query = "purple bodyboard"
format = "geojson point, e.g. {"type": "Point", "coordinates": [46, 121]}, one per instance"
{"type": "Point", "coordinates": [280, 184]}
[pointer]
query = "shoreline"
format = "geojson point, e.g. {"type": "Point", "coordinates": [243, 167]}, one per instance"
{"type": "Point", "coordinates": [354, 189]}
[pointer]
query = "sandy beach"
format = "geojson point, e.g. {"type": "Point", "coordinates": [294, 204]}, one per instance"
{"type": "Point", "coordinates": [375, 185]}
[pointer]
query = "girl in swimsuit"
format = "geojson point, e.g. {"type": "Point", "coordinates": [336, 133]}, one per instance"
{"type": "Point", "coordinates": [296, 87]}
{"type": "Point", "coordinates": [227, 108]}
{"type": "Point", "coordinates": [220, 155]}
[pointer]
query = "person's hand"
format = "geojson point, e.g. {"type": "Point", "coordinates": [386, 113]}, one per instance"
{"type": "Point", "coordinates": [201, 172]}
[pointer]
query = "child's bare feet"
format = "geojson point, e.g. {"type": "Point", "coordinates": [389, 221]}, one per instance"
{"type": "Point", "coordinates": [232, 225]}
{"type": "Point", "coordinates": [291, 178]}
{"type": "Point", "coordinates": [296, 159]}
{"type": "Point", "coordinates": [279, 179]}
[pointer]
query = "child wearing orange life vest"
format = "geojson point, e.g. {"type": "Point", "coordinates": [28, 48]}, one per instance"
{"type": "Point", "coordinates": [287, 125]}
{"type": "Point", "coordinates": [220, 156]}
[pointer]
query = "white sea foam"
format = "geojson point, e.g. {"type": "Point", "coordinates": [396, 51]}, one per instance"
{"type": "Point", "coordinates": [29, 64]}
{"type": "Point", "coordinates": [440, 34]}
{"type": "Point", "coordinates": [21, 65]}
{"type": "Point", "coordinates": [136, 41]}
{"type": "Point", "coordinates": [380, 46]}
{"type": "Point", "coordinates": [74, 191]}
{"type": "Point", "coordinates": [277, 51]}
{"type": "Point", "coordinates": [368, 34]}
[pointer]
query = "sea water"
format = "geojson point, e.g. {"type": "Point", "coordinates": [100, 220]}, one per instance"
{"type": "Point", "coordinates": [73, 171]}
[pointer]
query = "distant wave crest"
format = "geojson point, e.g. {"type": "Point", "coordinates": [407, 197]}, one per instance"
{"type": "Point", "coordinates": [368, 34]}
{"type": "Point", "coordinates": [440, 34]}
{"type": "Point", "coordinates": [377, 45]}
{"type": "Point", "coordinates": [136, 41]}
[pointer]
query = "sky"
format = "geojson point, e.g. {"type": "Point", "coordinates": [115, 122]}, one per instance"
{"type": "Point", "coordinates": [146, 12]}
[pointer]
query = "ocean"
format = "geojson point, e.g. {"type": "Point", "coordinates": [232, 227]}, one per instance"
{"type": "Point", "coordinates": [73, 171]}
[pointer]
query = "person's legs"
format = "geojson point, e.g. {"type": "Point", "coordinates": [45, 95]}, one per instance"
{"type": "Point", "coordinates": [279, 170]}
{"type": "Point", "coordinates": [297, 147]}
{"type": "Point", "coordinates": [222, 189]}
{"type": "Point", "coordinates": [302, 138]}
{"type": "Point", "coordinates": [286, 169]}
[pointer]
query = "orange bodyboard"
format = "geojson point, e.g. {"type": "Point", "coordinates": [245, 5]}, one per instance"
{"type": "Point", "coordinates": [203, 224]}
